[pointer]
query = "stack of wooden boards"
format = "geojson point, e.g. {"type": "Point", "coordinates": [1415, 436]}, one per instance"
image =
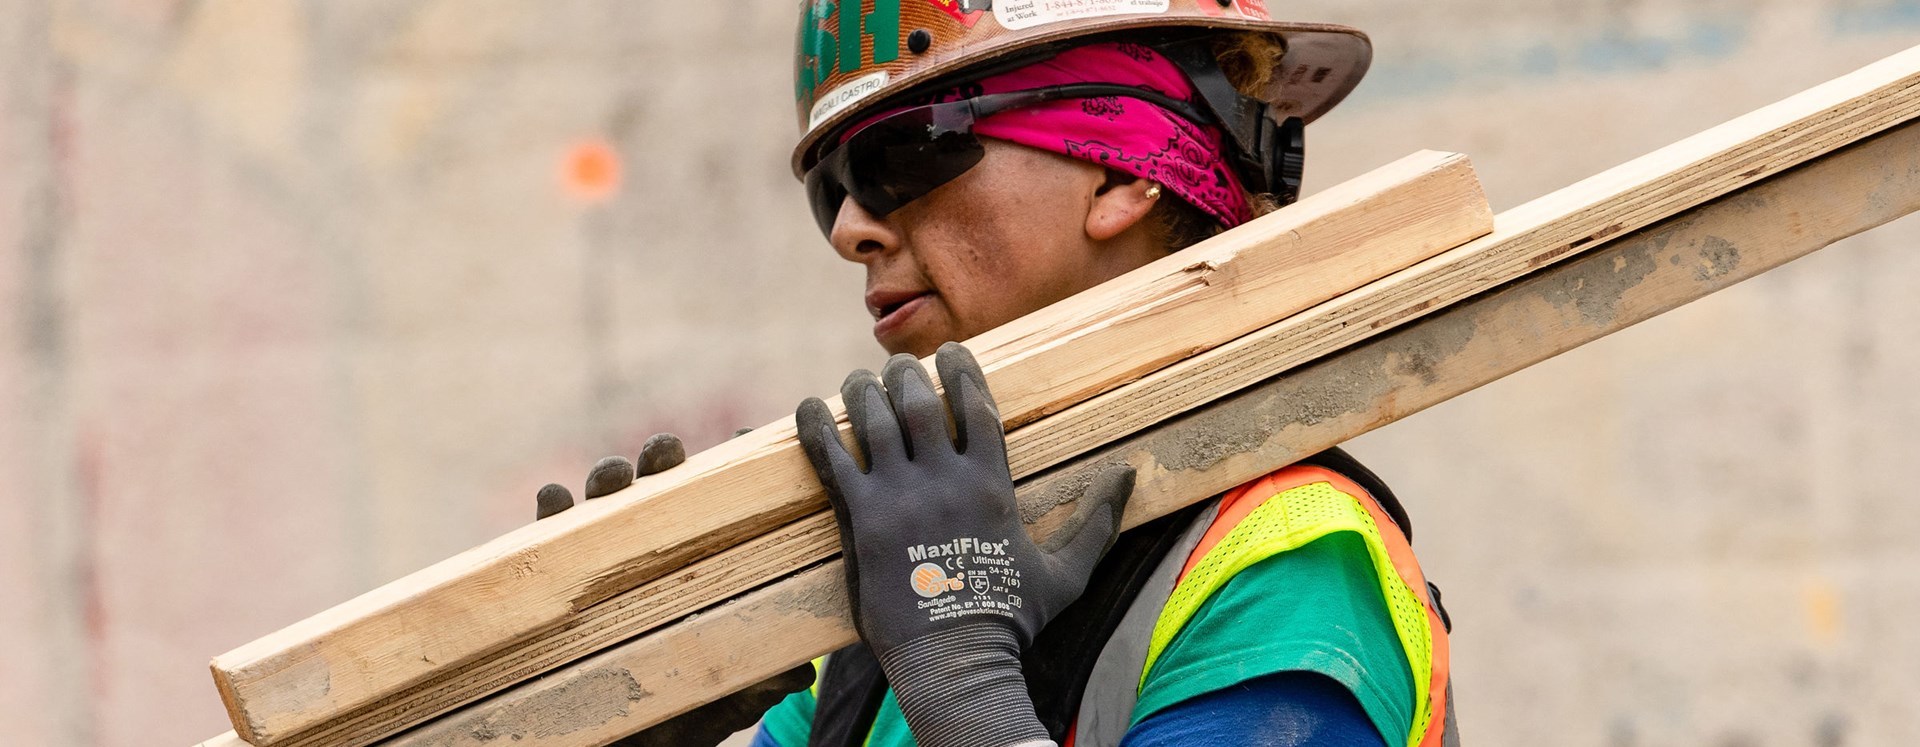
{"type": "Point", "coordinates": [1355, 307]}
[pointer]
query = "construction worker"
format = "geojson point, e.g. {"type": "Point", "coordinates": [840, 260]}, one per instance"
{"type": "Point", "coordinates": [985, 158]}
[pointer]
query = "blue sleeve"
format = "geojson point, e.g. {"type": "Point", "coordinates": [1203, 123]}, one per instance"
{"type": "Point", "coordinates": [1289, 709]}
{"type": "Point", "coordinates": [762, 739]}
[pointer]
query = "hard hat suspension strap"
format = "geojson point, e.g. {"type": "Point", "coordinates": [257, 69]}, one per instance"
{"type": "Point", "coordinates": [1271, 157]}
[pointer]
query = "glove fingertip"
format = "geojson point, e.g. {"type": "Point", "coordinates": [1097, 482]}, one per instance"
{"type": "Point", "coordinates": [609, 475]}
{"type": "Point", "coordinates": [552, 499]}
{"type": "Point", "coordinates": [661, 452]}
{"type": "Point", "coordinates": [922, 413]}
{"type": "Point", "coordinates": [809, 417]}
{"type": "Point", "coordinates": [1115, 488]}
{"type": "Point", "coordinates": [976, 415]}
{"type": "Point", "coordinates": [820, 437]}
{"type": "Point", "coordinates": [1096, 521]}
{"type": "Point", "coordinates": [955, 359]}
{"type": "Point", "coordinates": [1115, 485]}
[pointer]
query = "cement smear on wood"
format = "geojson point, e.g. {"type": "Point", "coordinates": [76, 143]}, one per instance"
{"type": "Point", "coordinates": [584, 702]}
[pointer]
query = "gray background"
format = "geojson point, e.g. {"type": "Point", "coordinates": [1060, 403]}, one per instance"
{"type": "Point", "coordinates": [298, 300]}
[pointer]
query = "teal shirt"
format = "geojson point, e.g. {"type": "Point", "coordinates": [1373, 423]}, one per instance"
{"type": "Point", "coordinates": [1317, 608]}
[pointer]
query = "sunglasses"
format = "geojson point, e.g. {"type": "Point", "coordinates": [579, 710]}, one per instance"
{"type": "Point", "coordinates": [902, 157]}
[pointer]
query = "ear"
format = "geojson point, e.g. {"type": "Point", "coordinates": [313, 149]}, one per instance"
{"type": "Point", "coordinates": [1120, 203]}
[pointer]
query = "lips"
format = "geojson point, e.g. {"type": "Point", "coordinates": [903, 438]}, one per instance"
{"type": "Point", "coordinates": [892, 309]}
{"type": "Point", "coordinates": [882, 304]}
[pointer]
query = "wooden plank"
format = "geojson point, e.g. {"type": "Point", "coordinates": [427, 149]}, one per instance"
{"type": "Point", "coordinates": [566, 586]}
{"type": "Point", "coordinates": [609, 695]}
{"type": "Point", "coordinates": [1619, 282]}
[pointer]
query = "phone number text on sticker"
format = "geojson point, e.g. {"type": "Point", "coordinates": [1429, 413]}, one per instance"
{"type": "Point", "coordinates": [1020, 14]}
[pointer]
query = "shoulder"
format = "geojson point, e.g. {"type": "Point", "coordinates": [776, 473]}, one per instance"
{"type": "Point", "coordinates": [1291, 575]}
{"type": "Point", "coordinates": [1314, 607]}
{"type": "Point", "coordinates": [1289, 507]}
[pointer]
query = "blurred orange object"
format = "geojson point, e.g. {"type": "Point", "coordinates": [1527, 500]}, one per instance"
{"type": "Point", "coordinates": [591, 171]}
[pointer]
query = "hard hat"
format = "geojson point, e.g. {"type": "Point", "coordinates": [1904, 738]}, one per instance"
{"type": "Point", "coordinates": [855, 54]}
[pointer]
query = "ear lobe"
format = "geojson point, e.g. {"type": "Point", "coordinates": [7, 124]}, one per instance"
{"type": "Point", "coordinates": [1120, 204]}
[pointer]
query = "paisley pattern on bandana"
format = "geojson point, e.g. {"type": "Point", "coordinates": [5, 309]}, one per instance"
{"type": "Point", "coordinates": [1108, 107]}
{"type": "Point", "coordinates": [1125, 134]}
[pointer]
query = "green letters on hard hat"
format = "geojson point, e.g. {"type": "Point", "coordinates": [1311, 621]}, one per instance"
{"type": "Point", "coordinates": [831, 35]}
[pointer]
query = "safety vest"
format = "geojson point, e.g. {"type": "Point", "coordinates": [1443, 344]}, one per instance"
{"type": "Point", "coordinates": [1085, 670]}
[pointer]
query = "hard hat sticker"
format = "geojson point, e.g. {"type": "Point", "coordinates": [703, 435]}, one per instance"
{"type": "Point", "coordinates": [848, 94]}
{"type": "Point", "coordinates": [1255, 9]}
{"type": "Point", "coordinates": [967, 12]}
{"type": "Point", "coordinates": [1022, 14]}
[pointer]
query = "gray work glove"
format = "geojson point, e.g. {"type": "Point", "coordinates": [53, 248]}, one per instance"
{"type": "Point", "coordinates": [947, 588]}
{"type": "Point", "coordinates": [712, 723]}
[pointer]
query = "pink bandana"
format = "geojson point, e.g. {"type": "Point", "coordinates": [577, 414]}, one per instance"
{"type": "Point", "coordinates": [1124, 134]}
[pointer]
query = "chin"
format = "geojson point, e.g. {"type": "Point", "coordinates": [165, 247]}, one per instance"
{"type": "Point", "coordinates": [915, 348]}
{"type": "Point", "coordinates": [921, 336]}
{"type": "Point", "coordinates": [919, 344]}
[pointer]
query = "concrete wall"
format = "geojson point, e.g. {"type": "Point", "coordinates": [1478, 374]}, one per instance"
{"type": "Point", "coordinates": [302, 296]}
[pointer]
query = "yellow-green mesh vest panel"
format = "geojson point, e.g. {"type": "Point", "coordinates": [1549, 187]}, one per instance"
{"type": "Point", "coordinates": [1285, 522]}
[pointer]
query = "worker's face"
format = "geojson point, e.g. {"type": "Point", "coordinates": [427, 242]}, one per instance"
{"type": "Point", "coordinates": [1019, 231]}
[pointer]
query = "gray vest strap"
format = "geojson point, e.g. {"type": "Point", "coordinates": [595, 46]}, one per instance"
{"type": "Point", "coordinates": [1106, 707]}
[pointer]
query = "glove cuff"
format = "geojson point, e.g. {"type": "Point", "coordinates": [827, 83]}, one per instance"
{"type": "Point", "coordinates": [963, 688]}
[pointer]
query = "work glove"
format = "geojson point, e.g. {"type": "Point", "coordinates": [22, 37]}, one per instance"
{"type": "Point", "coordinates": [712, 723]}
{"type": "Point", "coordinates": [947, 588]}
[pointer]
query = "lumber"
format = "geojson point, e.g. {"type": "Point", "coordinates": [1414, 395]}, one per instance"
{"type": "Point", "coordinates": [1620, 281]}
{"type": "Point", "coordinates": [564, 587]}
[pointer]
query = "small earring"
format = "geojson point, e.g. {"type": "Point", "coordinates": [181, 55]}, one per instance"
{"type": "Point", "coordinates": [1153, 191]}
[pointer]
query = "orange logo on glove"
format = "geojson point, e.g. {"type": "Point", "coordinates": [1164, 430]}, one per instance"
{"type": "Point", "coordinates": [930, 581]}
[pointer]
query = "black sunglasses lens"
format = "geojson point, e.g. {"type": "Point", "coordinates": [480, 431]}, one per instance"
{"type": "Point", "coordinates": [824, 194]}
{"type": "Point", "coordinates": [906, 160]}
{"type": "Point", "coordinates": [891, 163]}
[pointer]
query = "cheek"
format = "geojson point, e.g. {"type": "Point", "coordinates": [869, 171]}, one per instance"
{"type": "Point", "coordinates": [968, 262]}
{"type": "Point", "coordinates": [1004, 248]}
{"type": "Point", "coordinates": [988, 270]}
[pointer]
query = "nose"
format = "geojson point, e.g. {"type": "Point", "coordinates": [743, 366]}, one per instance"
{"type": "Point", "coordinates": [858, 236]}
